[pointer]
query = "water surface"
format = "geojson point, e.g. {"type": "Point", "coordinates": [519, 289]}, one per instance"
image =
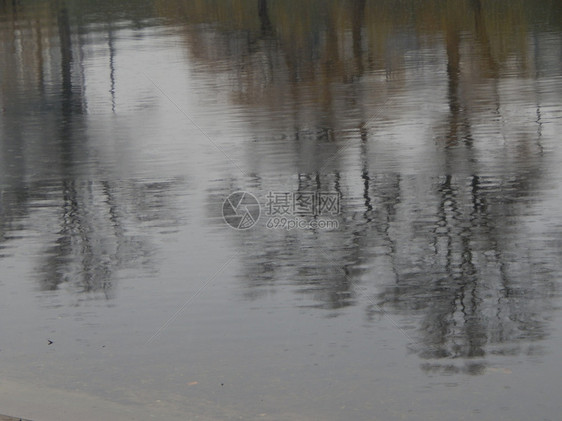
{"type": "Point", "coordinates": [123, 129]}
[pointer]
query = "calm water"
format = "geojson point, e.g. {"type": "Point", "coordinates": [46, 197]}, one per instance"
{"type": "Point", "coordinates": [124, 127]}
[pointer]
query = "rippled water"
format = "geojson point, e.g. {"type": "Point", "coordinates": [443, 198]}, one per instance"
{"type": "Point", "coordinates": [434, 294]}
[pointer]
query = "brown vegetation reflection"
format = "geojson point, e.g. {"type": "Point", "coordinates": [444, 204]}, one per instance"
{"type": "Point", "coordinates": [440, 247]}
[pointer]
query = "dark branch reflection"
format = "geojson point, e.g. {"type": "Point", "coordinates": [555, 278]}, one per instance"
{"type": "Point", "coordinates": [101, 232]}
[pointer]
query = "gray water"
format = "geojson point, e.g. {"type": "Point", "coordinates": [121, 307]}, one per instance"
{"type": "Point", "coordinates": [434, 294]}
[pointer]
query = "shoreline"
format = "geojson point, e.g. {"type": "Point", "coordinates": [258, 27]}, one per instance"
{"type": "Point", "coordinates": [9, 418]}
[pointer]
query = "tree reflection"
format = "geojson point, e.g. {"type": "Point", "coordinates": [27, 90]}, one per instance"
{"type": "Point", "coordinates": [91, 227]}
{"type": "Point", "coordinates": [441, 249]}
